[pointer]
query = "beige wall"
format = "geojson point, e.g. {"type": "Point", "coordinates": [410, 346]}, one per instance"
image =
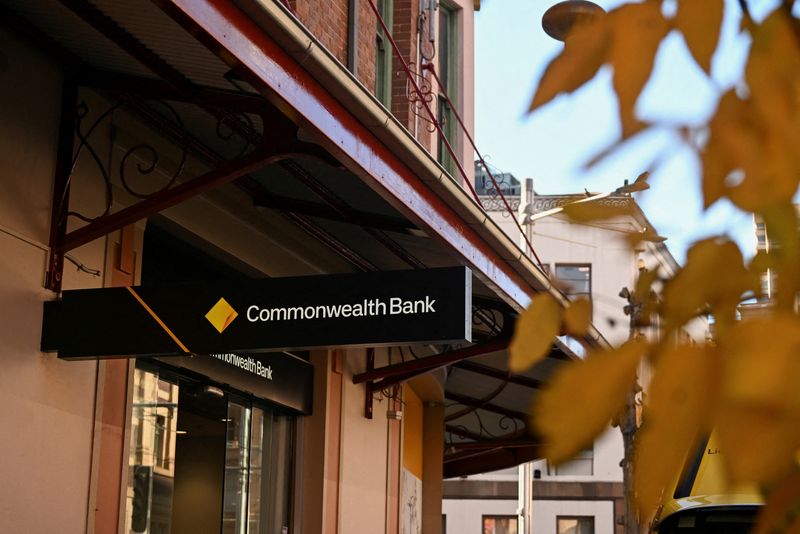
{"type": "Point", "coordinates": [47, 404]}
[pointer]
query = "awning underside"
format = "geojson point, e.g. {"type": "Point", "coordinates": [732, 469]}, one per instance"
{"type": "Point", "coordinates": [182, 113]}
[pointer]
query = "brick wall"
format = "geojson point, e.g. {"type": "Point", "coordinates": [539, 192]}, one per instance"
{"type": "Point", "coordinates": [366, 45]}
{"type": "Point", "coordinates": [328, 21]}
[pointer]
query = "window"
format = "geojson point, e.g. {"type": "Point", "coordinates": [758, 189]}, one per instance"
{"type": "Point", "coordinates": [581, 465]}
{"type": "Point", "coordinates": [574, 525]}
{"type": "Point", "coordinates": [499, 524]}
{"type": "Point", "coordinates": [446, 69]}
{"type": "Point", "coordinates": [183, 437]}
{"type": "Point", "coordinates": [383, 55]}
{"type": "Point", "coordinates": [577, 278]}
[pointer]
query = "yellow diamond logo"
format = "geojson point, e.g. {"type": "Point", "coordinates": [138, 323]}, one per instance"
{"type": "Point", "coordinates": [221, 315]}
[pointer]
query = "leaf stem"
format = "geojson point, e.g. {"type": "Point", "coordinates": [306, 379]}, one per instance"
{"type": "Point", "coordinates": [746, 11]}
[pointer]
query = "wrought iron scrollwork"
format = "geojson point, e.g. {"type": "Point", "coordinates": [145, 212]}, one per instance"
{"type": "Point", "coordinates": [234, 123]}
{"type": "Point", "coordinates": [420, 100]}
{"type": "Point", "coordinates": [147, 155]}
{"type": "Point", "coordinates": [147, 159]}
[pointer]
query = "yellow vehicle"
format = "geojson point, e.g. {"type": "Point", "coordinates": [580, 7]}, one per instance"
{"type": "Point", "coordinates": [703, 503]}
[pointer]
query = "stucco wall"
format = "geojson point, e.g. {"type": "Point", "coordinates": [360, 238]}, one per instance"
{"type": "Point", "coordinates": [48, 404]}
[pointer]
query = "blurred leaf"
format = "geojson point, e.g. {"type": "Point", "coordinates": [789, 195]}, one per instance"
{"type": "Point", "coordinates": [578, 317]}
{"type": "Point", "coordinates": [760, 135]}
{"type": "Point", "coordinates": [761, 407]}
{"type": "Point", "coordinates": [680, 403]}
{"type": "Point", "coordinates": [700, 21]}
{"type": "Point", "coordinates": [716, 168]}
{"type": "Point", "coordinates": [583, 397]}
{"type": "Point", "coordinates": [595, 210]}
{"type": "Point", "coordinates": [781, 511]}
{"type": "Point", "coordinates": [644, 283]}
{"type": "Point", "coordinates": [534, 332]}
{"type": "Point", "coordinates": [782, 228]}
{"type": "Point", "coordinates": [637, 31]}
{"type": "Point", "coordinates": [714, 275]}
{"type": "Point", "coordinates": [773, 75]}
{"type": "Point", "coordinates": [644, 293]}
{"type": "Point", "coordinates": [585, 50]}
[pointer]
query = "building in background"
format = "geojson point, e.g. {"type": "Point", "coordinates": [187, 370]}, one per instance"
{"type": "Point", "coordinates": [591, 260]}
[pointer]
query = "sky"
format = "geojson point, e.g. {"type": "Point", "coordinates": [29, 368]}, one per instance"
{"type": "Point", "coordinates": [553, 144]}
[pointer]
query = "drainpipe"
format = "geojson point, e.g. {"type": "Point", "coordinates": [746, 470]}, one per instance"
{"type": "Point", "coordinates": [527, 211]}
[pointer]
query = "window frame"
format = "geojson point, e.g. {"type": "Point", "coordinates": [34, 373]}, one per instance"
{"type": "Point", "coordinates": [383, 70]}
{"type": "Point", "coordinates": [444, 113]}
{"type": "Point", "coordinates": [574, 295]}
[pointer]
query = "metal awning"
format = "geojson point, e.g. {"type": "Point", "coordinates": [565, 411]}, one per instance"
{"type": "Point", "coordinates": [367, 196]}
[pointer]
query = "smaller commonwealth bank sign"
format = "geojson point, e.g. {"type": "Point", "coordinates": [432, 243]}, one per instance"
{"type": "Point", "coordinates": [226, 319]}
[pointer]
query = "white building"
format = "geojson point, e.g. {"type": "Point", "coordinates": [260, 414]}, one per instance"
{"type": "Point", "coordinates": [593, 259]}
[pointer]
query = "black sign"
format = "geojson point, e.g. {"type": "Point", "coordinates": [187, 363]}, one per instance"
{"type": "Point", "coordinates": [282, 378]}
{"type": "Point", "coordinates": [364, 309]}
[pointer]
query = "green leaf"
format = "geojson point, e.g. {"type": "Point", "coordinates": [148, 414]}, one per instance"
{"type": "Point", "coordinates": [534, 332]}
{"type": "Point", "coordinates": [583, 397]}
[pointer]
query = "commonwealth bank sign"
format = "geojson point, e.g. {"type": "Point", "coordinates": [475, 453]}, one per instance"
{"type": "Point", "coordinates": [363, 309]}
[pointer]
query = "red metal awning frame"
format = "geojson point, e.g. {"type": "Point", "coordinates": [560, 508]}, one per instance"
{"type": "Point", "coordinates": [239, 41]}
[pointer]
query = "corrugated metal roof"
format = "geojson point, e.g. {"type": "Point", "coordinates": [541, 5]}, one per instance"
{"type": "Point", "coordinates": [142, 20]}
{"type": "Point", "coordinates": [153, 28]}
{"type": "Point", "coordinates": [69, 31]}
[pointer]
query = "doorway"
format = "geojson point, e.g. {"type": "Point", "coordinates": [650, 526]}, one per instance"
{"type": "Point", "coordinates": [204, 459]}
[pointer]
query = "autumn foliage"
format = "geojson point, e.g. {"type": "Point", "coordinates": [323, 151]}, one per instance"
{"type": "Point", "coordinates": [745, 386]}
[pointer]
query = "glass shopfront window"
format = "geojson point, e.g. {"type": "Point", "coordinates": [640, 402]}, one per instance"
{"type": "Point", "coordinates": [203, 459]}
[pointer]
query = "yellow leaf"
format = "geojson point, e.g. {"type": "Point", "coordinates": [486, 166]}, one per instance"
{"type": "Point", "coordinates": [584, 53]}
{"type": "Point", "coordinates": [773, 75]}
{"type": "Point", "coordinates": [784, 254]}
{"type": "Point", "coordinates": [578, 316]}
{"type": "Point", "coordinates": [760, 135]}
{"type": "Point", "coordinates": [534, 332]}
{"type": "Point", "coordinates": [715, 276]}
{"type": "Point", "coordinates": [583, 397]}
{"type": "Point", "coordinates": [643, 292]}
{"type": "Point", "coordinates": [595, 210]}
{"type": "Point", "coordinates": [637, 31]}
{"type": "Point", "coordinates": [716, 168]}
{"type": "Point", "coordinates": [699, 21]}
{"type": "Point", "coordinates": [760, 406]}
{"type": "Point", "coordinates": [680, 403]}
{"type": "Point", "coordinates": [779, 513]}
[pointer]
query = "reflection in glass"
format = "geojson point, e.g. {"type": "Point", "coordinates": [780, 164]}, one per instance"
{"type": "Point", "coordinates": [151, 465]}
{"type": "Point", "coordinates": [234, 510]}
{"type": "Point", "coordinates": [255, 493]}
{"type": "Point", "coordinates": [270, 472]}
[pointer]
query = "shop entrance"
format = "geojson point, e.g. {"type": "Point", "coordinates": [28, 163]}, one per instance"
{"type": "Point", "coordinates": [205, 460]}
